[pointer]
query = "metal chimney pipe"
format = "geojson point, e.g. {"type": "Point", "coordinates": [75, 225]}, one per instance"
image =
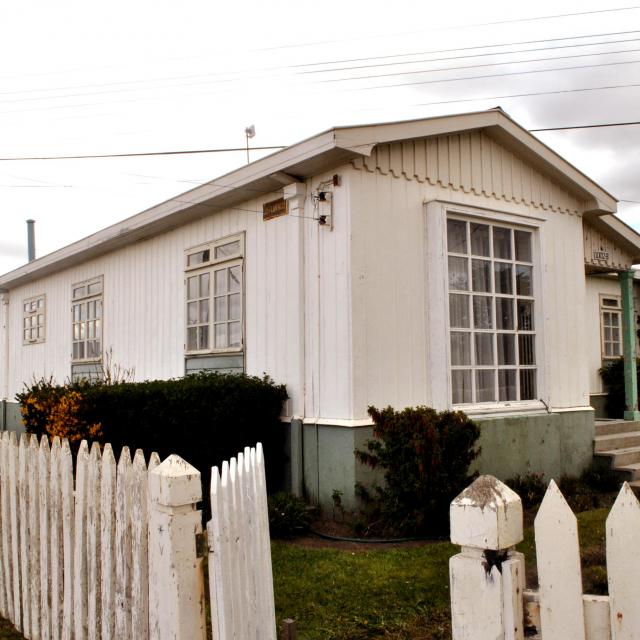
{"type": "Point", "coordinates": [31, 240]}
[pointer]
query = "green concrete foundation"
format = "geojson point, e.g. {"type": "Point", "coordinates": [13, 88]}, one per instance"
{"type": "Point", "coordinates": [323, 462]}
{"type": "Point", "coordinates": [554, 444]}
{"type": "Point", "coordinates": [330, 465]}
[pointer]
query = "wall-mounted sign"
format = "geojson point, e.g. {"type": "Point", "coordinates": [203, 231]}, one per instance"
{"type": "Point", "coordinates": [600, 255]}
{"type": "Point", "coordinates": [275, 209]}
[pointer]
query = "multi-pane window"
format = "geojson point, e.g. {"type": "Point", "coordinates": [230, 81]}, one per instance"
{"type": "Point", "coordinates": [611, 326]}
{"type": "Point", "coordinates": [33, 320]}
{"type": "Point", "coordinates": [214, 297]}
{"type": "Point", "coordinates": [86, 318]}
{"type": "Point", "coordinates": [491, 312]}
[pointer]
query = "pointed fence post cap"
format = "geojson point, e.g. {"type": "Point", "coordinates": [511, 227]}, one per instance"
{"type": "Point", "coordinates": [486, 515]}
{"type": "Point", "coordinates": [175, 483]}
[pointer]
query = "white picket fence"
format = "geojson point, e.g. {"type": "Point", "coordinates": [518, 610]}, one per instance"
{"type": "Point", "coordinates": [487, 578]}
{"type": "Point", "coordinates": [115, 554]}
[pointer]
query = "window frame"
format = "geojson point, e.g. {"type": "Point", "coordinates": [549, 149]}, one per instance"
{"type": "Point", "coordinates": [493, 218]}
{"type": "Point", "coordinates": [84, 299]}
{"type": "Point", "coordinates": [34, 313]}
{"type": "Point", "coordinates": [210, 266]}
{"type": "Point", "coordinates": [617, 310]}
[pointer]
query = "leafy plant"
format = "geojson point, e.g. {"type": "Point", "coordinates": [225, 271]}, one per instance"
{"type": "Point", "coordinates": [425, 457]}
{"type": "Point", "coordinates": [530, 487]}
{"type": "Point", "coordinates": [289, 516]}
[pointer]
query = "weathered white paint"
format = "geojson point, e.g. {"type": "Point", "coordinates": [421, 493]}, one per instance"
{"type": "Point", "coordinates": [178, 607]}
{"type": "Point", "coordinates": [56, 539]}
{"type": "Point", "coordinates": [489, 605]}
{"type": "Point", "coordinates": [43, 507]}
{"type": "Point", "coordinates": [240, 574]}
{"type": "Point", "coordinates": [80, 545]}
{"type": "Point", "coordinates": [107, 541]}
{"type": "Point", "coordinates": [15, 539]}
{"type": "Point", "coordinates": [123, 545]}
{"type": "Point", "coordinates": [94, 575]}
{"type": "Point", "coordinates": [34, 534]}
{"type": "Point", "coordinates": [139, 547]}
{"type": "Point", "coordinates": [559, 574]}
{"type": "Point", "coordinates": [486, 515]}
{"type": "Point", "coordinates": [623, 565]}
{"type": "Point", "coordinates": [68, 536]}
{"type": "Point", "coordinates": [3, 490]}
{"type": "Point", "coordinates": [23, 498]}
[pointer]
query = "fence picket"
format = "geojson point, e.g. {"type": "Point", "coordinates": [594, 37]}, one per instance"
{"type": "Point", "coordinates": [15, 530]}
{"type": "Point", "coordinates": [56, 547]}
{"type": "Point", "coordinates": [559, 573]}
{"type": "Point", "coordinates": [623, 565]}
{"type": "Point", "coordinates": [123, 546]}
{"type": "Point", "coordinates": [265, 579]}
{"type": "Point", "coordinates": [93, 544]}
{"type": "Point", "coordinates": [68, 528]}
{"type": "Point", "coordinates": [6, 521]}
{"type": "Point", "coordinates": [75, 557]}
{"type": "Point", "coordinates": [33, 456]}
{"type": "Point", "coordinates": [45, 585]}
{"type": "Point", "coordinates": [23, 499]}
{"type": "Point", "coordinates": [3, 595]}
{"type": "Point", "coordinates": [108, 541]}
{"type": "Point", "coordinates": [139, 547]}
{"type": "Point", "coordinates": [80, 544]}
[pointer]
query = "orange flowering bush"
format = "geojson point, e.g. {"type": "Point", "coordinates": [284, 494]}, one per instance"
{"type": "Point", "coordinates": [53, 410]}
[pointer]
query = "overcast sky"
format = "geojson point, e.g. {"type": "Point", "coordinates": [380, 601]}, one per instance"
{"type": "Point", "coordinates": [126, 77]}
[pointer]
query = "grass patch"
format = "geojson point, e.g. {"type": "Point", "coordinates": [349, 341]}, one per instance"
{"type": "Point", "coordinates": [398, 593]}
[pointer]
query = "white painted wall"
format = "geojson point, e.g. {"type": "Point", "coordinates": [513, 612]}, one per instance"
{"type": "Point", "coordinates": [390, 306]}
{"type": "Point", "coordinates": [341, 316]}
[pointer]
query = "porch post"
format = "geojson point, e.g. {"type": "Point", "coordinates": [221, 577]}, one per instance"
{"type": "Point", "coordinates": [629, 346]}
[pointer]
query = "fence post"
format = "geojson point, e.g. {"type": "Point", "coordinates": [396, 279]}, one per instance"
{"type": "Point", "coordinates": [487, 576]}
{"type": "Point", "coordinates": [176, 580]}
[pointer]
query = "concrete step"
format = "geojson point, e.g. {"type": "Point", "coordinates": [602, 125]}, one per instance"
{"type": "Point", "coordinates": [631, 472]}
{"type": "Point", "coordinates": [621, 457]}
{"type": "Point", "coordinates": [614, 441]}
{"type": "Point", "coordinates": [609, 427]}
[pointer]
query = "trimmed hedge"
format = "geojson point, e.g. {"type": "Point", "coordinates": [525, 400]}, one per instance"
{"type": "Point", "coordinates": [205, 418]}
{"type": "Point", "coordinates": [425, 456]}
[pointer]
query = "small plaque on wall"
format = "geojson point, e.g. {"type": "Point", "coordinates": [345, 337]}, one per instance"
{"type": "Point", "coordinates": [600, 255]}
{"type": "Point", "coordinates": [275, 209]}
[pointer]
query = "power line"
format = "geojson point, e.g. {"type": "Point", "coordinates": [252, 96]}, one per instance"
{"type": "Point", "coordinates": [458, 27]}
{"type": "Point", "coordinates": [478, 66]}
{"type": "Point", "coordinates": [138, 82]}
{"type": "Point", "coordinates": [473, 55]}
{"type": "Point", "coordinates": [133, 155]}
{"type": "Point", "coordinates": [530, 94]}
{"type": "Point", "coordinates": [451, 50]}
{"type": "Point", "coordinates": [495, 75]}
{"type": "Point", "coordinates": [588, 126]}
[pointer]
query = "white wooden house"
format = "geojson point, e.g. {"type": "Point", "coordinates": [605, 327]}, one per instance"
{"type": "Point", "coordinates": [438, 261]}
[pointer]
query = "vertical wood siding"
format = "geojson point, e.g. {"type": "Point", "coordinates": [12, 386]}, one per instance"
{"type": "Point", "coordinates": [388, 246]}
{"type": "Point", "coordinates": [144, 305]}
{"type": "Point", "coordinates": [471, 163]}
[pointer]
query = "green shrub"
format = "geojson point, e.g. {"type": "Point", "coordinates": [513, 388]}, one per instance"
{"type": "Point", "coordinates": [289, 516]}
{"type": "Point", "coordinates": [205, 418]}
{"type": "Point", "coordinates": [425, 457]}
{"type": "Point", "coordinates": [530, 487]}
{"type": "Point", "coordinates": [601, 479]}
{"type": "Point", "coordinates": [612, 374]}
